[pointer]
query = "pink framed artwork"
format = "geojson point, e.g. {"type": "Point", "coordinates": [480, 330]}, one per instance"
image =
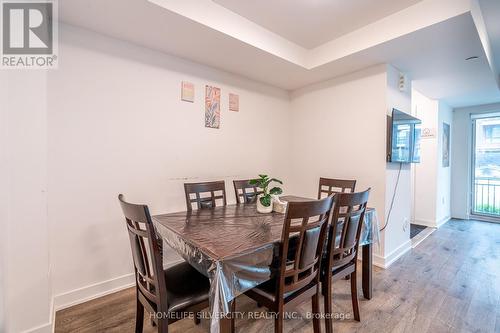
{"type": "Point", "coordinates": [234, 102]}
{"type": "Point", "coordinates": [212, 107]}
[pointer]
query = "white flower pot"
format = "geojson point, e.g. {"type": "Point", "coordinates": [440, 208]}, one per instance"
{"type": "Point", "coordinates": [263, 209]}
{"type": "Point", "coordinates": [278, 205]}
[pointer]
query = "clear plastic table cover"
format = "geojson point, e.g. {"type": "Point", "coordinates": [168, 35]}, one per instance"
{"type": "Point", "coordinates": [234, 246]}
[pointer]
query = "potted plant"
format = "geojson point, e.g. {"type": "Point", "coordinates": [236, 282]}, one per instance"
{"type": "Point", "coordinates": [265, 200]}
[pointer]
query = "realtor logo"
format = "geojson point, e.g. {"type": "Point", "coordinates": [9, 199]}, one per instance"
{"type": "Point", "coordinates": [28, 34]}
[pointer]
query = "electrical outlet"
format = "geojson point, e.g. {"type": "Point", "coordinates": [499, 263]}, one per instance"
{"type": "Point", "coordinates": [406, 224]}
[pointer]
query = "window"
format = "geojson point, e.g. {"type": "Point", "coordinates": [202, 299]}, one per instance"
{"type": "Point", "coordinates": [492, 133]}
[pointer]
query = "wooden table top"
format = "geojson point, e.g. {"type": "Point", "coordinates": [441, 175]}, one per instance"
{"type": "Point", "coordinates": [223, 231]}
{"type": "Point", "coordinates": [226, 231]}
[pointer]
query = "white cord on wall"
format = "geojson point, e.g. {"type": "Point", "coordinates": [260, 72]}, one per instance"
{"type": "Point", "coordinates": [393, 197]}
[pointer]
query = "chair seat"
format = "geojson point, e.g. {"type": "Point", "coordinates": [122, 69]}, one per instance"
{"type": "Point", "coordinates": [268, 290]}
{"type": "Point", "coordinates": [185, 287]}
{"type": "Point", "coordinates": [335, 269]}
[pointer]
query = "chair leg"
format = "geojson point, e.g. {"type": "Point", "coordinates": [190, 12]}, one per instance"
{"type": "Point", "coordinates": [139, 317]}
{"type": "Point", "coordinates": [162, 326]}
{"type": "Point", "coordinates": [316, 312]}
{"type": "Point", "coordinates": [196, 318]}
{"type": "Point", "coordinates": [354, 296]}
{"type": "Point", "coordinates": [327, 291]}
{"type": "Point", "coordinates": [233, 310]}
{"type": "Point", "coordinates": [278, 322]}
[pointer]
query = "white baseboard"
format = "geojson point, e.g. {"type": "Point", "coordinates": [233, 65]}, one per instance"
{"type": "Point", "coordinates": [425, 223]}
{"type": "Point", "coordinates": [461, 216]}
{"type": "Point", "coordinates": [82, 295]}
{"type": "Point", "coordinates": [87, 293]}
{"type": "Point", "coordinates": [388, 260]}
{"type": "Point", "coordinates": [45, 328]}
{"type": "Point", "coordinates": [432, 223]}
{"type": "Point", "coordinates": [443, 221]}
{"type": "Point", "coordinates": [415, 241]}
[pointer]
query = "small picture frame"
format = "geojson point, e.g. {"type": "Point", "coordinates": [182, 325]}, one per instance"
{"type": "Point", "coordinates": [234, 102]}
{"type": "Point", "coordinates": [187, 91]}
{"type": "Point", "coordinates": [446, 145]}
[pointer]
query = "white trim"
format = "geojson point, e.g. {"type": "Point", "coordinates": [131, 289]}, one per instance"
{"type": "Point", "coordinates": [47, 327]}
{"type": "Point", "coordinates": [432, 223]}
{"type": "Point", "coordinates": [462, 217]}
{"type": "Point", "coordinates": [81, 295]}
{"type": "Point", "coordinates": [441, 222]}
{"type": "Point", "coordinates": [425, 223]}
{"type": "Point", "coordinates": [52, 315]}
{"type": "Point", "coordinates": [415, 241]}
{"type": "Point", "coordinates": [44, 328]}
{"type": "Point", "coordinates": [388, 260]}
{"type": "Point", "coordinates": [90, 292]}
{"type": "Point", "coordinates": [482, 115]}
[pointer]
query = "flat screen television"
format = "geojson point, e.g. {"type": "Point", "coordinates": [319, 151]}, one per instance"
{"type": "Point", "coordinates": [404, 138]}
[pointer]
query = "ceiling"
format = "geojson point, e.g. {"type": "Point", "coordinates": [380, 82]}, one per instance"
{"type": "Point", "coordinates": [310, 23]}
{"type": "Point", "coordinates": [490, 13]}
{"type": "Point", "coordinates": [435, 60]}
{"type": "Point", "coordinates": [429, 41]}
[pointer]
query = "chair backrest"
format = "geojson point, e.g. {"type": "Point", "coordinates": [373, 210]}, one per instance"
{"type": "Point", "coordinates": [329, 186]}
{"type": "Point", "coordinates": [305, 225]}
{"type": "Point", "coordinates": [347, 219]}
{"type": "Point", "coordinates": [245, 192]}
{"type": "Point", "coordinates": [205, 195]}
{"type": "Point", "coordinates": [146, 253]}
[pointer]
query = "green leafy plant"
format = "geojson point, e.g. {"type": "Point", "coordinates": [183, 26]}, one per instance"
{"type": "Point", "coordinates": [486, 208]}
{"type": "Point", "coordinates": [263, 183]}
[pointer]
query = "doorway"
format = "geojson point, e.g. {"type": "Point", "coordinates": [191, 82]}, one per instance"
{"type": "Point", "coordinates": [485, 185]}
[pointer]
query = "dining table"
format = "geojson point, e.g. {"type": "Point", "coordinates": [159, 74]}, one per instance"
{"type": "Point", "coordinates": [234, 246]}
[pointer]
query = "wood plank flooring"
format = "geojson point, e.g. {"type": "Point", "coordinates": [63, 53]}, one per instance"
{"type": "Point", "coordinates": [449, 283]}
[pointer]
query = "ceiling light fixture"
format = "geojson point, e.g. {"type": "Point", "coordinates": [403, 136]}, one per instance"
{"type": "Point", "coordinates": [472, 58]}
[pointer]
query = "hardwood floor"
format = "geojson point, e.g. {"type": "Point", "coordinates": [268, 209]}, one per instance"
{"type": "Point", "coordinates": [449, 283]}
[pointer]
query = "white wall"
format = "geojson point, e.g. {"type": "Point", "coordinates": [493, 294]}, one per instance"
{"type": "Point", "coordinates": [460, 157]}
{"type": "Point", "coordinates": [426, 110]}
{"type": "Point", "coordinates": [443, 194]}
{"type": "Point", "coordinates": [432, 180]}
{"type": "Point", "coordinates": [4, 196]}
{"type": "Point", "coordinates": [323, 145]}
{"type": "Point", "coordinates": [396, 235]}
{"type": "Point", "coordinates": [117, 125]}
{"type": "Point", "coordinates": [26, 270]}
{"type": "Point", "coordinates": [339, 131]}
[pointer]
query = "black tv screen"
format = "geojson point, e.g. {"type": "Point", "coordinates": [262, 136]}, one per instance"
{"type": "Point", "coordinates": [405, 138]}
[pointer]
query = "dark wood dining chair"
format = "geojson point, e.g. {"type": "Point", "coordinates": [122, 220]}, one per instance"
{"type": "Point", "coordinates": [245, 192]}
{"type": "Point", "coordinates": [165, 294]}
{"type": "Point", "coordinates": [297, 276]}
{"type": "Point", "coordinates": [205, 195]}
{"type": "Point", "coordinates": [329, 186]}
{"type": "Point", "coordinates": [342, 248]}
